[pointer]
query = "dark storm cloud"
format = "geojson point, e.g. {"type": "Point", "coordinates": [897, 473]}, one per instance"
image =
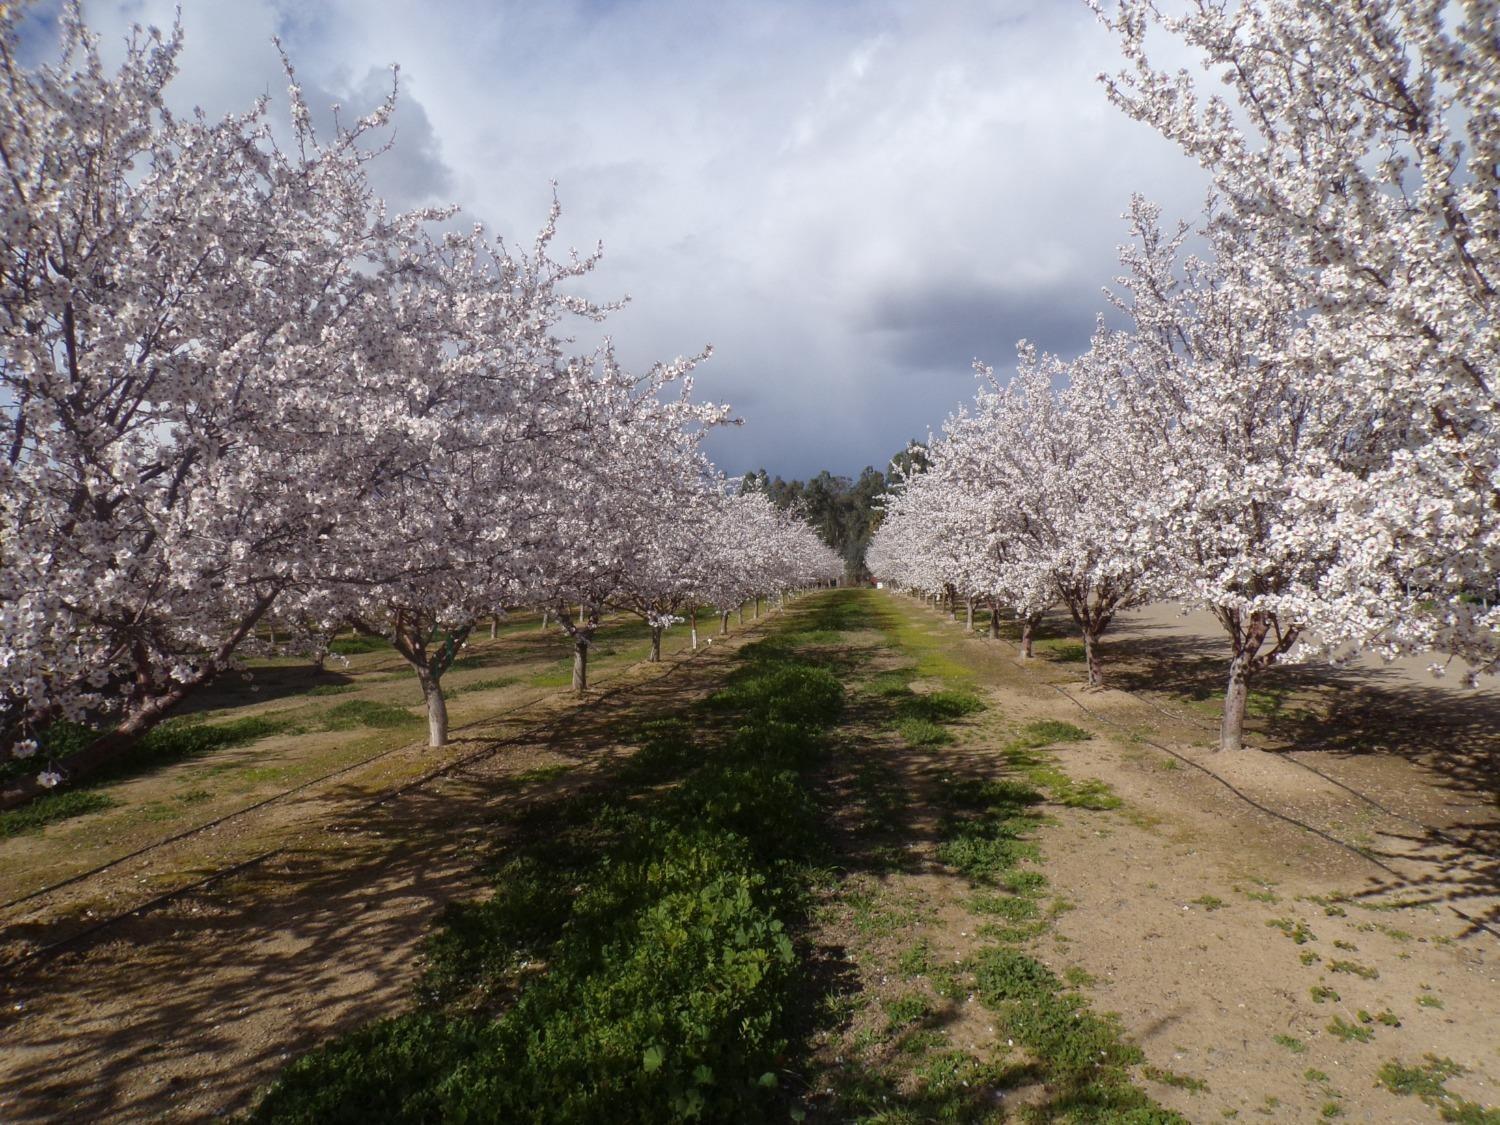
{"type": "Point", "coordinates": [850, 201]}
{"type": "Point", "coordinates": [949, 326]}
{"type": "Point", "coordinates": [413, 173]}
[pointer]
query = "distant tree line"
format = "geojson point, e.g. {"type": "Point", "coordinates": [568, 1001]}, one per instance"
{"type": "Point", "coordinates": [841, 509]}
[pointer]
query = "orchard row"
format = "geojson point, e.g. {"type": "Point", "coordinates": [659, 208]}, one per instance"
{"type": "Point", "coordinates": [1296, 425]}
{"type": "Point", "coordinates": [237, 393]}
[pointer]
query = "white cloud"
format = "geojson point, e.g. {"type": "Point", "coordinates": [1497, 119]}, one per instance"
{"type": "Point", "coordinates": [849, 200]}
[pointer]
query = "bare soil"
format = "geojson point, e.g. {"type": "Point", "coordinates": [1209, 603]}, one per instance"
{"type": "Point", "coordinates": [1230, 887]}
{"type": "Point", "coordinates": [183, 1011]}
{"type": "Point", "coordinates": [1231, 911]}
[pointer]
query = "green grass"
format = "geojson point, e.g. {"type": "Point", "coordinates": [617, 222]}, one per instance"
{"type": "Point", "coordinates": [923, 732]}
{"type": "Point", "coordinates": [1022, 753]}
{"type": "Point", "coordinates": [1428, 1081]}
{"type": "Point", "coordinates": [907, 1009]}
{"type": "Point", "coordinates": [494, 684]}
{"type": "Point", "coordinates": [331, 689]}
{"type": "Point", "coordinates": [1046, 732]}
{"type": "Point", "coordinates": [49, 808]}
{"type": "Point", "coordinates": [1291, 1043]}
{"type": "Point", "coordinates": [355, 713]}
{"type": "Point", "coordinates": [635, 961]}
{"type": "Point", "coordinates": [1210, 903]}
{"type": "Point", "coordinates": [892, 684]}
{"type": "Point", "coordinates": [356, 644]}
{"type": "Point", "coordinates": [1084, 1057]}
{"type": "Point", "coordinates": [1354, 968]}
{"type": "Point", "coordinates": [1341, 1028]}
{"type": "Point", "coordinates": [985, 834]}
{"type": "Point", "coordinates": [1172, 1078]}
{"type": "Point", "coordinates": [1297, 930]}
{"type": "Point", "coordinates": [916, 961]}
{"type": "Point", "coordinates": [173, 741]}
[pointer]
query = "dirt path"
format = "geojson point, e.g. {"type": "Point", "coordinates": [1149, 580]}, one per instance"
{"type": "Point", "coordinates": [1232, 928]}
{"type": "Point", "coordinates": [1270, 937]}
{"type": "Point", "coordinates": [181, 1013]}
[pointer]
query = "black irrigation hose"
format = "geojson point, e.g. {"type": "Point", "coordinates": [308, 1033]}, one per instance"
{"type": "Point", "coordinates": [1478, 923]}
{"type": "Point", "coordinates": [1437, 833]}
{"type": "Point", "coordinates": [52, 948]}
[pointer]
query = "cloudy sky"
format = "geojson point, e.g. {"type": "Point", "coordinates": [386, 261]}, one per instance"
{"type": "Point", "coordinates": [850, 199]}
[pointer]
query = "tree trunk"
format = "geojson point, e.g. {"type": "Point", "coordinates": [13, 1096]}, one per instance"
{"type": "Point", "coordinates": [145, 715]}
{"type": "Point", "coordinates": [742, 613]}
{"type": "Point", "coordinates": [580, 613]}
{"type": "Point", "coordinates": [580, 664]}
{"type": "Point", "coordinates": [100, 752]}
{"type": "Point", "coordinates": [693, 627]}
{"type": "Point", "coordinates": [1028, 633]}
{"type": "Point", "coordinates": [969, 616]}
{"type": "Point", "coordinates": [1232, 729]}
{"type": "Point", "coordinates": [546, 613]}
{"type": "Point", "coordinates": [994, 620]}
{"type": "Point", "coordinates": [437, 711]}
{"type": "Point", "coordinates": [494, 626]}
{"type": "Point", "coordinates": [655, 656]}
{"type": "Point", "coordinates": [1247, 637]}
{"type": "Point", "coordinates": [724, 623]}
{"type": "Point", "coordinates": [1091, 657]}
{"type": "Point", "coordinates": [757, 607]}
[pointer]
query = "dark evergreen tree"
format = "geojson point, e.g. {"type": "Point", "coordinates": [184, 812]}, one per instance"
{"type": "Point", "coordinates": [844, 511]}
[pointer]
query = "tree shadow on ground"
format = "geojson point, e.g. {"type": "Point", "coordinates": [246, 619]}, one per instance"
{"type": "Point", "coordinates": [1349, 724]}
{"type": "Point", "coordinates": [185, 1010]}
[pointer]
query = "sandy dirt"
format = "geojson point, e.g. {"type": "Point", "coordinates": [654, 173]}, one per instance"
{"type": "Point", "coordinates": [1229, 888]}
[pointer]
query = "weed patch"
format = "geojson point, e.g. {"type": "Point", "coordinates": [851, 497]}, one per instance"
{"type": "Point", "coordinates": [49, 808]}
{"type": "Point", "coordinates": [357, 643]}
{"type": "Point", "coordinates": [494, 684]}
{"type": "Point", "coordinates": [1045, 732]}
{"type": "Point", "coordinates": [635, 961]}
{"type": "Point", "coordinates": [1341, 1028]}
{"type": "Point", "coordinates": [923, 732]}
{"type": "Point", "coordinates": [1428, 1081]}
{"type": "Point", "coordinates": [355, 713]}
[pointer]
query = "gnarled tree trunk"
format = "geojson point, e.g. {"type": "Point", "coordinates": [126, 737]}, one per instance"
{"type": "Point", "coordinates": [1091, 657]}
{"type": "Point", "coordinates": [580, 664]}
{"type": "Point", "coordinates": [1232, 726]}
{"type": "Point", "coordinates": [437, 709]}
{"type": "Point", "coordinates": [1248, 636]}
{"type": "Point", "coordinates": [655, 656]}
{"type": "Point", "coordinates": [151, 702]}
{"type": "Point", "coordinates": [1028, 636]}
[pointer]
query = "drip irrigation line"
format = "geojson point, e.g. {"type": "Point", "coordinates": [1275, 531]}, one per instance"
{"type": "Point", "coordinates": [1478, 923]}
{"type": "Point", "coordinates": [157, 901]}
